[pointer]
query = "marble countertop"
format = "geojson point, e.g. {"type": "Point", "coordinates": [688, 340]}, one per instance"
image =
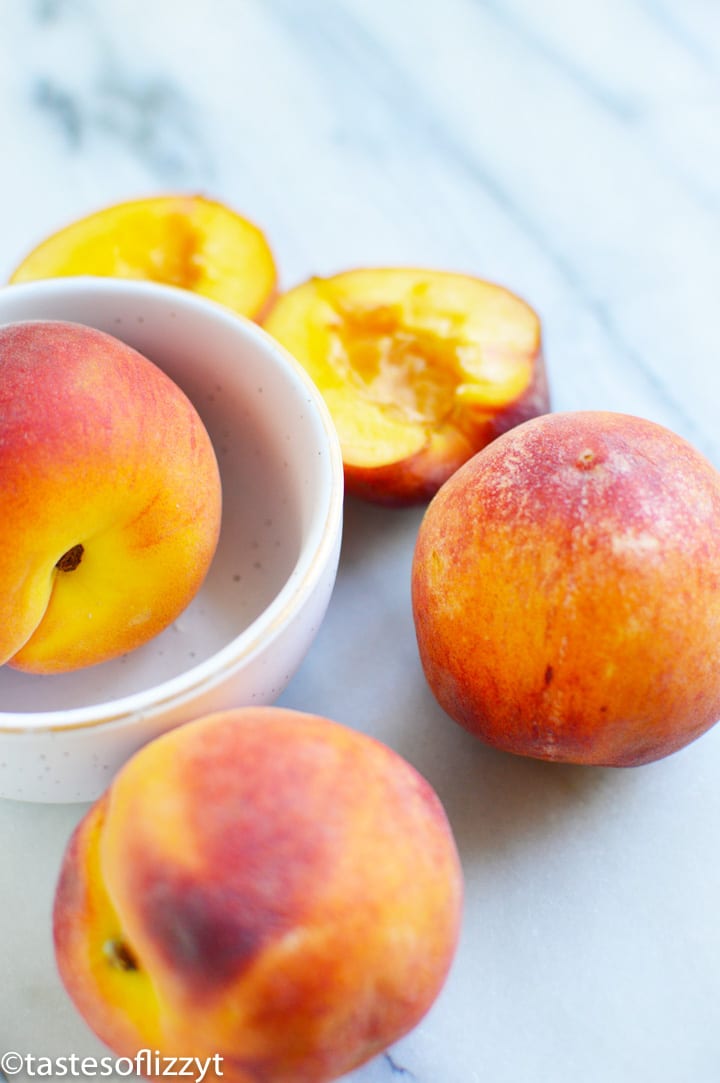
{"type": "Point", "coordinates": [571, 152]}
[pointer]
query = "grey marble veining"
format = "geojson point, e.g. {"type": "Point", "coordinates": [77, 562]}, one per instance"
{"type": "Point", "coordinates": [572, 153]}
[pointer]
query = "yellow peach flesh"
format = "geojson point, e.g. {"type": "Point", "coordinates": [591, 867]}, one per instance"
{"type": "Point", "coordinates": [185, 241]}
{"type": "Point", "coordinates": [413, 364]}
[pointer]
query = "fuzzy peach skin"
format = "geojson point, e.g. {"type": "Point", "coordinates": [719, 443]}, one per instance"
{"type": "Point", "coordinates": [110, 499]}
{"type": "Point", "coordinates": [265, 885]}
{"type": "Point", "coordinates": [566, 591]}
{"type": "Point", "coordinates": [187, 241]}
{"type": "Point", "coordinates": [420, 369]}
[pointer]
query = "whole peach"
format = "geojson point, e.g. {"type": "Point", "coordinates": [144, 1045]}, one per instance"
{"type": "Point", "coordinates": [262, 885]}
{"type": "Point", "coordinates": [566, 591]}
{"type": "Point", "coordinates": [110, 497]}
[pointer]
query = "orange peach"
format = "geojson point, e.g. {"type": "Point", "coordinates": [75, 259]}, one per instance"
{"type": "Point", "coordinates": [263, 886]}
{"type": "Point", "coordinates": [420, 369]}
{"type": "Point", "coordinates": [188, 241]}
{"type": "Point", "coordinates": [110, 500]}
{"type": "Point", "coordinates": [566, 591]}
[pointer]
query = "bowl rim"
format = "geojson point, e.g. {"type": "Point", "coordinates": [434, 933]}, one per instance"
{"type": "Point", "coordinates": [317, 552]}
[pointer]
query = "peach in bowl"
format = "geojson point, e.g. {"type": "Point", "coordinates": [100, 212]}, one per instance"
{"type": "Point", "coordinates": [256, 609]}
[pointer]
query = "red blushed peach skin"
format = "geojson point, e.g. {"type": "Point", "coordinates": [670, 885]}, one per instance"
{"type": "Point", "coordinates": [110, 500]}
{"type": "Point", "coordinates": [566, 591]}
{"type": "Point", "coordinates": [265, 885]}
{"type": "Point", "coordinates": [188, 241]}
{"type": "Point", "coordinates": [420, 369]}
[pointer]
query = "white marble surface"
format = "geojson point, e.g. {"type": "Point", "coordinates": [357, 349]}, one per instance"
{"type": "Point", "coordinates": [572, 152]}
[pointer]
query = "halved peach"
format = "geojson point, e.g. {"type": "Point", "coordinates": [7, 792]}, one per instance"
{"type": "Point", "coordinates": [180, 240]}
{"type": "Point", "coordinates": [420, 369]}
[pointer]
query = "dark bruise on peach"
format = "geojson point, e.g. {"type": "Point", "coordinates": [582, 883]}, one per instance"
{"type": "Point", "coordinates": [198, 931]}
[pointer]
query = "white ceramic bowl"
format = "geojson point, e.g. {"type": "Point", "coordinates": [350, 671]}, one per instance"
{"type": "Point", "coordinates": [62, 737]}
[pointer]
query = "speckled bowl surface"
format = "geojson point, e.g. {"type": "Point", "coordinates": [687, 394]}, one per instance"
{"type": "Point", "coordinates": [62, 737]}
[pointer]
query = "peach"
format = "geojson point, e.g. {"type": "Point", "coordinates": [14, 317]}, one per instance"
{"type": "Point", "coordinates": [264, 886]}
{"type": "Point", "coordinates": [181, 240]}
{"type": "Point", "coordinates": [420, 370]}
{"type": "Point", "coordinates": [110, 500]}
{"type": "Point", "coordinates": [566, 591]}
